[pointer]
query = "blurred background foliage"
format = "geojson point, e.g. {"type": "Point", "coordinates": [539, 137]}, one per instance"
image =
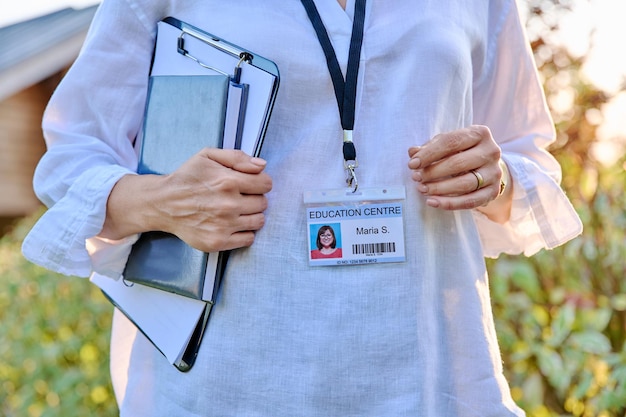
{"type": "Point", "coordinates": [54, 339]}
{"type": "Point", "coordinates": [560, 315]}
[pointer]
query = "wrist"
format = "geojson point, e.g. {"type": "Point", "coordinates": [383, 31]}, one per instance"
{"type": "Point", "coordinates": [130, 206]}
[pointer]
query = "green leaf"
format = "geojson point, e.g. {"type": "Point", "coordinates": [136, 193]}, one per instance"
{"type": "Point", "coordinates": [585, 379]}
{"type": "Point", "coordinates": [562, 324]}
{"type": "Point", "coordinates": [591, 342]}
{"type": "Point", "coordinates": [552, 366]}
{"type": "Point", "coordinates": [595, 319]}
{"type": "Point", "coordinates": [525, 277]}
{"type": "Point", "coordinates": [533, 390]}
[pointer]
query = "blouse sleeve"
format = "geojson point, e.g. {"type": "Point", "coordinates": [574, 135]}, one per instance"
{"type": "Point", "coordinates": [90, 126]}
{"type": "Point", "coordinates": [508, 98]}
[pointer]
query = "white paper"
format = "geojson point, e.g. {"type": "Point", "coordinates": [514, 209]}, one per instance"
{"type": "Point", "coordinates": [167, 319]}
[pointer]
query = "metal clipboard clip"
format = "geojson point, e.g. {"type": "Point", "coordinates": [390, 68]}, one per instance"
{"type": "Point", "coordinates": [243, 56]}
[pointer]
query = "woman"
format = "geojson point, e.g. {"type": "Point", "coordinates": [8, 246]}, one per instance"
{"type": "Point", "coordinates": [451, 83]}
{"type": "Point", "coordinates": [326, 243]}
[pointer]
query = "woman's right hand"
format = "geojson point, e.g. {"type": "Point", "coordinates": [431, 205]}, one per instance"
{"type": "Point", "coordinates": [214, 201]}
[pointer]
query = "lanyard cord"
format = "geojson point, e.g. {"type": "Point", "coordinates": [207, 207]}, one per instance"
{"type": "Point", "coordinates": [345, 90]}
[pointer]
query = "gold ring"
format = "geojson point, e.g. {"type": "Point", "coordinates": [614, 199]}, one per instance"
{"type": "Point", "coordinates": [479, 179]}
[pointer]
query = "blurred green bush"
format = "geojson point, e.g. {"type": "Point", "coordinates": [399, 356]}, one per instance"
{"type": "Point", "coordinates": [561, 314]}
{"type": "Point", "coordinates": [54, 340]}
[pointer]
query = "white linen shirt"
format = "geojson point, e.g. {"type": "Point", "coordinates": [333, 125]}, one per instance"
{"type": "Point", "coordinates": [286, 339]}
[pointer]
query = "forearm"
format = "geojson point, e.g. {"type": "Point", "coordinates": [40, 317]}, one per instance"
{"type": "Point", "coordinates": [131, 206]}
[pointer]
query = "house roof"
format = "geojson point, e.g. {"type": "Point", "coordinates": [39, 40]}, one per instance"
{"type": "Point", "coordinates": [35, 49]}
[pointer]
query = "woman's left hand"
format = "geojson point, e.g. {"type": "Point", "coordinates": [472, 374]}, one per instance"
{"type": "Point", "coordinates": [459, 169]}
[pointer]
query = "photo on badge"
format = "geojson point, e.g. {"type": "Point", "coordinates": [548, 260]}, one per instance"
{"type": "Point", "coordinates": [325, 241]}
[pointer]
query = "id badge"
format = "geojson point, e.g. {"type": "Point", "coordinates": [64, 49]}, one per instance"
{"type": "Point", "coordinates": [346, 228]}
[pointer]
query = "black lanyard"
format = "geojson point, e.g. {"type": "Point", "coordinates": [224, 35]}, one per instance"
{"type": "Point", "coordinates": [345, 90]}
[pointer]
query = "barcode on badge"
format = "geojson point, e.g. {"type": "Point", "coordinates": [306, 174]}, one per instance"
{"type": "Point", "coordinates": [372, 248]}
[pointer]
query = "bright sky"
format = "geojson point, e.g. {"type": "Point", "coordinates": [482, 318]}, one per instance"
{"type": "Point", "coordinates": [596, 28]}
{"type": "Point", "coordinates": [606, 62]}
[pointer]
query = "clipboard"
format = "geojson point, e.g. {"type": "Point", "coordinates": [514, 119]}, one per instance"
{"type": "Point", "coordinates": [182, 49]}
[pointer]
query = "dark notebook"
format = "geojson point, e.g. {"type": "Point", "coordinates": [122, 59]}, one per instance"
{"type": "Point", "coordinates": [183, 115]}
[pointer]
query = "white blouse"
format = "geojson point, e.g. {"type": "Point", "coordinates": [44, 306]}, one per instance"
{"type": "Point", "coordinates": [414, 338]}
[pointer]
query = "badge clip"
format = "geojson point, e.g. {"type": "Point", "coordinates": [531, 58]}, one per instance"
{"type": "Point", "coordinates": [349, 160]}
{"type": "Point", "coordinates": [351, 179]}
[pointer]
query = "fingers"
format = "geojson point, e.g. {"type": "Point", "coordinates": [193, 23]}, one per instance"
{"type": "Point", "coordinates": [459, 185]}
{"type": "Point", "coordinates": [245, 237]}
{"type": "Point", "coordinates": [462, 192]}
{"type": "Point", "coordinates": [444, 145]}
{"type": "Point", "coordinates": [239, 240]}
{"type": "Point", "coordinates": [227, 170]}
{"type": "Point", "coordinates": [465, 185]}
{"type": "Point", "coordinates": [252, 183]}
{"type": "Point", "coordinates": [251, 222]}
{"type": "Point", "coordinates": [238, 234]}
{"type": "Point", "coordinates": [413, 150]}
{"type": "Point", "coordinates": [215, 200]}
{"type": "Point", "coordinates": [224, 226]}
{"type": "Point", "coordinates": [252, 204]}
{"type": "Point", "coordinates": [457, 170]}
{"type": "Point", "coordinates": [246, 175]}
{"type": "Point", "coordinates": [481, 157]}
{"type": "Point", "coordinates": [235, 159]}
{"type": "Point", "coordinates": [473, 200]}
